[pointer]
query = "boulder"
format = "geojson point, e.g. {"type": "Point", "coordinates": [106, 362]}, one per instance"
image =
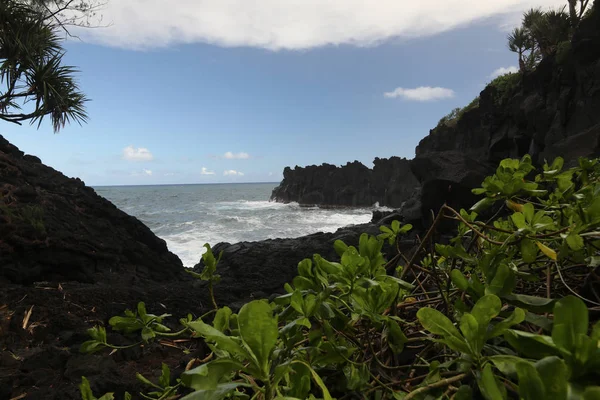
{"type": "Point", "coordinates": [55, 228]}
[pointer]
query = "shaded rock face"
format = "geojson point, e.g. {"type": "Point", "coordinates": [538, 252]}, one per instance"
{"type": "Point", "coordinates": [552, 111]}
{"type": "Point", "coordinates": [54, 228]}
{"type": "Point", "coordinates": [389, 183]}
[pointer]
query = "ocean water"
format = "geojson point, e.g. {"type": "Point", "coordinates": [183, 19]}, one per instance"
{"type": "Point", "coordinates": [187, 216]}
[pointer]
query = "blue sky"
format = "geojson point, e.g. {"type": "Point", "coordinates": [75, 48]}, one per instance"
{"type": "Point", "coordinates": [206, 106]}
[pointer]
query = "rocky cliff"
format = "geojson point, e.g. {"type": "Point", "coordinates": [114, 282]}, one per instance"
{"type": "Point", "coordinates": [54, 228]}
{"type": "Point", "coordinates": [549, 112]}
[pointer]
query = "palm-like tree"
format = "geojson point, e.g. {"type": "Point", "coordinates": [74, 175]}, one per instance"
{"type": "Point", "coordinates": [574, 14]}
{"type": "Point", "coordinates": [519, 42]}
{"type": "Point", "coordinates": [37, 84]}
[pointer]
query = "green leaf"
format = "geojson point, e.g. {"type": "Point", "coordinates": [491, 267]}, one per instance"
{"type": "Point", "coordinates": [483, 205]}
{"type": "Point", "coordinates": [486, 309]}
{"type": "Point", "coordinates": [221, 320]}
{"type": "Point", "coordinates": [531, 386]}
{"type": "Point", "coordinates": [396, 338]}
{"type": "Point", "coordinates": [438, 324]}
{"type": "Point", "coordinates": [86, 391]}
{"type": "Point", "coordinates": [147, 334]}
{"type": "Point", "coordinates": [207, 376]}
{"type": "Point", "coordinates": [165, 377]}
{"type": "Point", "coordinates": [570, 321]}
{"type": "Point", "coordinates": [515, 318]}
{"type": "Point", "coordinates": [531, 303]}
{"type": "Point", "coordinates": [489, 386]}
{"type": "Point", "coordinates": [506, 364]}
{"type": "Point", "coordinates": [91, 346]}
{"type": "Point", "coordinates": [222, 341]}
{"type": "Point", "coordinates": [470, 329]}
{"type": "Point", "coordinates": [503, 282]}
{"type": "Point", "coordinates": [575, 241]}
{"type": "Point", "coordinates": [258, 329]}
{"type": "Point", "coordinates": [530, 344]}
{"type": "Point", "coordinates": [554, 374]}
{"type": "Point", "coordinates": [220, 392]}
{"type": "Point", "coordinates": [318, 380]}
{"type": "Point", "coordinates": [529, 250]}
{"type": "Point", "coordinates": [459, 279]}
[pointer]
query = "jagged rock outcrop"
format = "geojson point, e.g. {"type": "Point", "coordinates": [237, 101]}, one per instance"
{"type": "Point", "coordinates": [389, 183]}
{"type": "Point", "coordinates": [56, 228]}
{"type": "Point", "coordinates": [552, 111]}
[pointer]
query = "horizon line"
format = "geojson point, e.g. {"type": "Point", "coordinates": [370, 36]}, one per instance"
{"type": "Point", "coordinates": [182, 184]}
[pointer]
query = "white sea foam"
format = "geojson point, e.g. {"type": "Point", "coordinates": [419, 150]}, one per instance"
{"type": "Point", "coordinates": [188, 216]}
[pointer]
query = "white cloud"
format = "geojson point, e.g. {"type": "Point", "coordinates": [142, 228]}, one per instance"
{"type": "Point", "coordinates": [232, 172]}
{"type": "Point", "coordinates": [148, 172]}
{"type": "Point", "coordinates": [422, 93]}
{"type": "Point", "coordinates": [277, 24]}
{"type": "Point", "coordinates": [503, 71]}
{"type": "Point", "coordinates": [205, 171]}
{"type": "Point", "coordinates": [241, 156]}
{"type": "Point", "coordinates": [130, 153]}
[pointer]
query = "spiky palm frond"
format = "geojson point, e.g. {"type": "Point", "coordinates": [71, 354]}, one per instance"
{"type": "Point", "coordinates": [31, 66]}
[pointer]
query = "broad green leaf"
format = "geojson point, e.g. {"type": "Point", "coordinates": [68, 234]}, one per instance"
{"type": "Point", "coordinates": [208, 376]}
{"type": "Point", "coordinates": [515, 318]}
{"type": "Point", "coordinates": [530, 344]}
{"type": "Point", "coordinates": [528, 212]}
{"type": "Point", "coordinates": [529, 250]}
{"type": "Point", "coordinates": [486, 309]}
{"type": "Point", "coordinates": [91, 346]}
{"type": "Point", "coordinates": [489, 386]}
{"type": "Point", "coordinates": [221, 320]}
{"type": "Point", "coordinates": [222, 341]}
{"type": "Point", "coordinates": [503, 282]}
{"type": "Point", "coordinates": [395, 225]}
{"type": "Point", "coordinates": [165, 377]}
{"type": "Point", "coordinates": [570, 321]}
{"type": "Point", "coordinates": [470, 329]}
{"type": "Point", "coordinates": [86, 391]}
{"type": "Point", "coordinates": [464, 393]}
{"type": "Point", "coordinates": [483, 205]}
{"type": "Point", "coordinates": [341, 247]}
{"type": "Point", "coordinates": [519, 220]}
{"type": "Point", "coordinates": [554, 374]}
{"type": "Point", "coordinates": [575, 241]}
{"type": "Point", "coordinates": [318, 381]}
{"type": "Point", "coordinates": [396, 338]}
{"type": "Point", "coordinates": [438, 324]}
{"type": "Point", "coordinates": [147, 334]}
{"type": "Point", "coordinates": [258, 329]}
{"type": "Point", "coordinates": [459, 279]}
{"type": "Point", "coordinates": [531, 303]}
{"type": "Point", "coordinates": [220, 392]}
{"type": "Point", "coordinates": [531, 386]}
{"type": "Point", "coordinates": [506, 364]}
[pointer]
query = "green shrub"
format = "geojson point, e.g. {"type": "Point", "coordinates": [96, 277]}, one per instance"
{"type": "Point", "coordinates": [505, 86]}
{"type": "Point", "coordinates": [456, 114]}
{"type": "Point", "coordinates": [563, 51]}
{"type": "Point", "coordinates": [494, 313]}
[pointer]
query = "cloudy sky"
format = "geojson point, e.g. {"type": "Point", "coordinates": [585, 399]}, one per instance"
{"type": "Point", "coordinates": [210, 91]}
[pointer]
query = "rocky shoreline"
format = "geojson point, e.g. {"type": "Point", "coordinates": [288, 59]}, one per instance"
{"type": "Point", "coordinates": [69, 259]}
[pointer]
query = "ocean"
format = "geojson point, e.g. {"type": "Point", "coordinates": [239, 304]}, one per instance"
{"type": "Point", "coordinates": [187, 216]}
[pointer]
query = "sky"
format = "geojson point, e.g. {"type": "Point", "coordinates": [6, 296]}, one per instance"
{"type": "Point", "coordinates": [235, 90]}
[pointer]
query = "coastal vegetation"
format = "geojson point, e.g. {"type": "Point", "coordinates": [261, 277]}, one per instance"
{"type": "Point", "coordinates": [492, 312]}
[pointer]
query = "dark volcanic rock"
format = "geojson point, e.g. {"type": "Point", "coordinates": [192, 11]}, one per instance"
{"type": "Point", "coordinates": [552, 111]}
{"type": "Point", "coordinates": [258, 269]}
{"type": "Point", "coordinates": [389, 183]}
{"type": "Point", "coordinates": [54, 228]}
